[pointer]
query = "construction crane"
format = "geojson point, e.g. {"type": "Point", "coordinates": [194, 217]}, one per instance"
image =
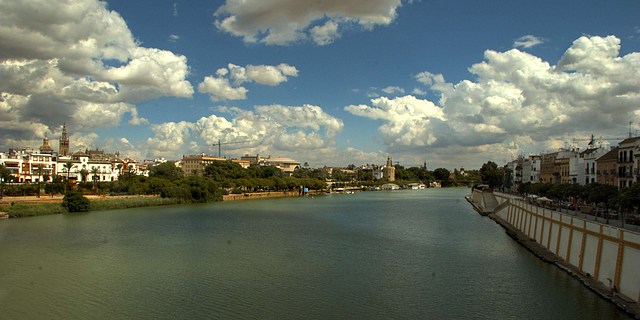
{"type": "Point", "coordinates": [220, 143]}
{"type": "Point", "coordinates": [592, 141]}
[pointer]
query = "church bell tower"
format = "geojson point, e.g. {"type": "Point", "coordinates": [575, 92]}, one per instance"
{"type": "Point", "coordinates": [64, 142]}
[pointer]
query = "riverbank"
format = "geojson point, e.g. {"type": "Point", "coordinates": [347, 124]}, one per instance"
{"type": "Point", "coordinates": [625, 303]}
{"type": "Point", "coordinates": [18, 207]}
{"type": "Point", "coordinates": [31, 206]}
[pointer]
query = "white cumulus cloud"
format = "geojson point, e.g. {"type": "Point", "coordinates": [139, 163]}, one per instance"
{"type": "Point", "coordinates": [221, 88]}
{"type": "Point", "coordinates": [285, 130]}
{"type": "Point", "coordinates": [77, 62]}
{"type": "Point", "coordinates": [281, 22]}
{"type": "Point", "coordinates": [407, 119]}
{"type": "Point", "coordinates": [517, 99]}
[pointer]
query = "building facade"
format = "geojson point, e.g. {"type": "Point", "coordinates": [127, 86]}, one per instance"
{"type": "Point", "coordinates": [607, 168]}
{"type": "Point", "coordinates": [628, 150]}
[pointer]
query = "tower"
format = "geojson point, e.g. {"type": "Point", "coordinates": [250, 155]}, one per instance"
{"type": "Point", "coordinates": [64, 142]}
{"type": "Point", "coordinates": [389, 171]}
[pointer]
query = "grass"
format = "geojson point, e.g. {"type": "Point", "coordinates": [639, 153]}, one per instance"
{"type": "Point", "coordinates": [40, 209]}
{"type": "Point", "coordinates": [32, 210]}
{"type": "Point", "coordinates": [124, 203]}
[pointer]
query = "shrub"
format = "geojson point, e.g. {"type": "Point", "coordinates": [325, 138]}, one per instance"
{"type": "Point", "coordinates": [74, 201]}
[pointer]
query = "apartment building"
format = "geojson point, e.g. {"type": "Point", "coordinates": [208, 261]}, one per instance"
{"type": "Point", "coordinates": [607, 168]}
{"type": "Point", "coordinates": [590, 165]}
{"type": "Point", "coordinates": [628, 151]}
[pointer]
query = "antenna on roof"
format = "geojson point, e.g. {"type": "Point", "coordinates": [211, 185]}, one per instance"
{"type": "Point", "coordinates": [630, 122]}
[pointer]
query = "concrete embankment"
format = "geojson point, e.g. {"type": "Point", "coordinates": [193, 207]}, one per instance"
{"type": "Point", "coordinates": [604, 258]}
{"type": "Point", "coordinates": [266, 195]}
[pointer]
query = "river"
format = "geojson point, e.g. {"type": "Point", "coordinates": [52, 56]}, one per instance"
{"type": "Point", "coordinates": [409, 254]}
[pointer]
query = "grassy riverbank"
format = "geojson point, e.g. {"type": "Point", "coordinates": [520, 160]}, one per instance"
{"type": "Point", "coordinates": [18, 208]}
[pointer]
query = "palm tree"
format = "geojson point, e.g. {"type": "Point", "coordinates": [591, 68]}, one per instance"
{"type": "Point", "coordinates": [67, 167]}
{"type": "Point", "coordinates": [39, 179]}
{"type": "Point", "coordinates": [84, 173]}
{"type": "Point", "coordinates": [94, 177]}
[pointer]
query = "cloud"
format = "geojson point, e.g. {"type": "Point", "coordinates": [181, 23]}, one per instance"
{"type": "Point", "coordinates": [169, 138]}
{"type": "Point", "coordinates": [281, 22]}
{"type": "Point", "coordinates": [291, 130]}
{"type": "Point", "coordinates": [516, 99]}
{"type": "Point", "coordinates": [418, 92]}
{"type": "Point", "coordinates": [173, 38]}
{"type": "Point", "coordinates": [220, 88]}
{"type": "Point", "coordinates": [527, 41]}
{"type": "Point", "coordinates": [77, 62]}
{"type": "Point", "coordinates": [393, 90]}
{"type": "Point", "coordinates": [325, 34]}
{"type": "Point", "coordinates": [407, 119]}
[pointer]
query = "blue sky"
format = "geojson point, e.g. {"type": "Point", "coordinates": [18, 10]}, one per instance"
{"type": "Point", "coordinates": [452, 83]}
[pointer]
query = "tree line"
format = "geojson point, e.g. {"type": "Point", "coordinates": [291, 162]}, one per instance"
{"type": "Point", "coordinates": [595, 193]}
{"type": "Point", "coordinates": [223, 177]}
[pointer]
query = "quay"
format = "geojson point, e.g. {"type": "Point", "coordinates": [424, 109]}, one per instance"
{"type": "Point", "coordinates": [604, 257]}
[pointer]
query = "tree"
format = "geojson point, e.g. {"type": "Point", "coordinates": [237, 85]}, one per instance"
{"type": "Point", "coordinates": [420, 173]}
{"type": "Point", "coordinates": [364, 175]}
{"type": "Point", "coordinates": [507, 179]}
{"type": "Point", "coordinates": [220, 170]}
{"type": "Point", "coordinates": [629, 197]}
{"type": "Point", "coordinates": [74, 201]}
{"type": "Point", "coordinates": [491, 174]}
{"type": "Point", "coordinates": [40, 170]}
{"type": "Point", "coordinates": [441, 174]}
{"type": "Point", "coordinates": [601, 193]}
{"type": "Point", "coordinates": [84, 173]}
{"type": "Point", "coordinates": [68, 166]}
{"type": "Point", "coordinates": [95, 177]}
{"type": "Point", "coordinates": [5, 176]}
{"type": "Point", "coordinates": [166, 170]}
{"type": "Point", "coordinates": [404, 175]}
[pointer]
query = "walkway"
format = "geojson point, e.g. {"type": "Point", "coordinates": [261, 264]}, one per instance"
{"type": "Point", "coordinates": [588, 217]}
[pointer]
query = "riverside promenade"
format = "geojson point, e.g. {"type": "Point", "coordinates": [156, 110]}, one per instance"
{"type": "Point", "coordinates": [604, 257]}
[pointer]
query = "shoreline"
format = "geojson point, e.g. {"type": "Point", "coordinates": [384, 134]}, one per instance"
{"type": "Point", "coordinates": [268, 195]}
{"type": "Point", "coordinates": [32, 206]}
{"type": "Point", "coordinates": [131, 201]}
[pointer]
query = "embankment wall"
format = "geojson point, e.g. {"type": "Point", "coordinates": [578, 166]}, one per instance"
{"type": "Point", "coordinates": [609, 255]}
{"type": "Point", "coordinates": [265, 195]}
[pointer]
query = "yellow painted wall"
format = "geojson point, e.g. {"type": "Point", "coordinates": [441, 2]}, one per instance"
{"type": "Point", "coordinates": [609, 254]}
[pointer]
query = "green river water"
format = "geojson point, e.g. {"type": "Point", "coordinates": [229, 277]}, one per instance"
{"type": "Point", "coordinates": [414, 254]}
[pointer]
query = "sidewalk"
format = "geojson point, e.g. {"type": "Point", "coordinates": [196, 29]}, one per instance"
{"type": "Point", "coordinates": [588, 217]}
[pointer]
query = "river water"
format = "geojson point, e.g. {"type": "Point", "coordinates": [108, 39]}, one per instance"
{"type": "Point", "coordinates": [418, 254]}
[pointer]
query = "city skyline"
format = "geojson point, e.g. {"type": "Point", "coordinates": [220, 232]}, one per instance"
{"type": "Point", "coordinates": [454, 84]}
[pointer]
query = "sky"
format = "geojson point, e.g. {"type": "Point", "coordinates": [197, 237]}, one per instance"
{"type": "Point", "coordinates": [453, 83]}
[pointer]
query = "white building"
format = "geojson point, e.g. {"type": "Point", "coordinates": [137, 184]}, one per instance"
{"type": "Point", "coordinates": [590, 166]}
{"type": "Point", "coordinates": [628, 161]}
{"type": "Point", "coordinates": [28, 165]}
